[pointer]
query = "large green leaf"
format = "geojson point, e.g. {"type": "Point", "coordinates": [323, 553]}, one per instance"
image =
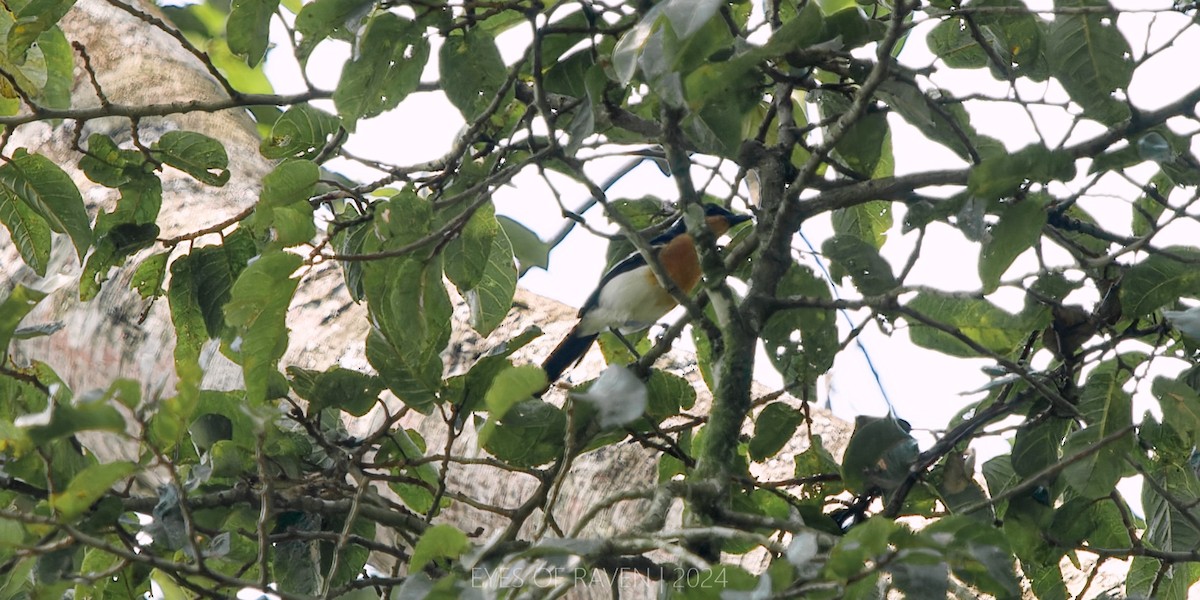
{"type": "Point", "coordinates": [774, 426]}
{"type": "Point", "coordinates": [110, 251]}
{"type": "Point", "coordinates": [200, 286]}
{"type": "Point", "coordinates": [32, 20]}
{"type": "Point", "coordinates": [28, 231]}
{"type": "Point", "coordinates": [196, 154]}
{"type": "Point", "coordinates": [1038, 445]}
{"type": "Point", "coordinates": [323, 18]}
{"type": "Point", "coordinates": [1019, 228]}
{"type": "Point", "coordinates": [336, 387]}
{"type": "Point", "coordinates": [88, 486]}
{"type": "Point", "coordinates": [300, 132]}
{"type": "Point", "coordinates": [257, 311]}
{"type": "Point", "coordinates": [977, 319]}
{"type": "Point", "coordinates": [951, 41]}
{"type": "Point", "coordinates": [1091, 58]}
{"type": "Point", "coordinates": [283, 214]}
{"type": "Point", "coordinates": [1159, 280]}
{"type": "Point", "coordinates": [1106, 409]}
{"type": "Point", "coordinates": [248, 29]}
{"type": "Point", "coordinates": [1004, 174]}
{"type": "Point", "coordinates": [438, 542]}
{"type": "Point", "coordinates": [14, 308]}
{"type": "Point", "coordinates": [492, 298]}
{"type": "Point", "coordinates": [49, 191]}
{"type": "Point", "coordinates": [801, 342]}
{"type": "Point", "coordinates": [1180, 405]}
{"type": "Point", "coordinates": [529, 434]}
{"type": "Point", "coordinates": [943, 122]}
{"type": "Point", "coordinates": [413, 377]}
{"type": "Point", "coordinates": [880, 453]}
{"type": "Point", "coordinates": [466, 256]}
{"type": "Point", "coordinates": [529, 249]}
{"type": "Point", "coordinates": [851, 255]}
{"type": "Point", "coordinates": [385, 69]}
{"type": "Point", "coordinates": [472, 71]}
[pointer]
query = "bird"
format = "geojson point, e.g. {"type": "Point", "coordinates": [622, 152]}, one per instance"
{"type": "Point", "coordinates": [629, 297]}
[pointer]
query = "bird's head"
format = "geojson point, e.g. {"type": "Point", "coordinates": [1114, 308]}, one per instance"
{"type": "Point", "coordinates": [721, 219]}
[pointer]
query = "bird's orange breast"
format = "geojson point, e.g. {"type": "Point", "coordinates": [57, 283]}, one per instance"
{"type": "Point", "coordinates": [678, 257]}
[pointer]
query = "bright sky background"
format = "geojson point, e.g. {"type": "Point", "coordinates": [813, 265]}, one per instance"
{"type": "Point", "coordinates": [925, 386]}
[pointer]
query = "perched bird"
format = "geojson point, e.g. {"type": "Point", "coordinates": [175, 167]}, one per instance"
{"type": "Point", "coordinates": [629, 297]}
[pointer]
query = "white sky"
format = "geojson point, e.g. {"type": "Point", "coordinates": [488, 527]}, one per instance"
{"type": "Point", "coordinates": [925, 386]}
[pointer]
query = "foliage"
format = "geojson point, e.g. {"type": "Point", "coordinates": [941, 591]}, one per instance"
{"type": "Point", "coordinates": [805, 96]}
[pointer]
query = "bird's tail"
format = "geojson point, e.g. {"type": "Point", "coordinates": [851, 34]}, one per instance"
{"type": "Point", "coordinates": [568, 352]}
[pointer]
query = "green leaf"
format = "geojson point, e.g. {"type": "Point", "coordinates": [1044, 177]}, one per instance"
{"type": "Point", "coordinates": [109, 165]}
{"type": "Point", "coordinates": [1180, 405]}
{"type": "Point", "coordinates": [88, 486]}
{"type": "Point", "coordinates": [437, 543]}
{"type": "Point", "coordinates": [981, 321]}
{"type": "Point", "coordinates": [1091, 58]}
{"type": "Point", "coordinates": [302, 131]}
{"type": "Point", "coordinates": [1168, 582]}
{"type": "Point", "coordinates": [410, 306]}
{"type": "Point", "coordinates": [513, 385]}
{"type": "Point", "coordinates": [1159, 280]}
{"type": "Point", "coordinates": [1147, 209]}
{"type": "Point", "coordinates": [471, 71]}
{"type": "Point", "coordinates": [59, 60]}
{"type": "Point", "coordinates": [529, 434]}
{"type": "Point", "coordinates": [492, 298]}
{"type": "Point", "coordinates": [140, 202]}
{"type": "Point", "coordinates": [386, 68]}
{"type": "Point", "coordinates": [466, 255]}
{"type": "Point", "coordinates": [414, 378]}
{"type": "Point", "coordinates": [868, 222]}
{"type": "Point", "coordinates": [863, 544]}
{"type": "Point", "coordinates": [336, 387]}
{"type": "Point", "coordinates": [879, 454]}
{"type": "Point", "coordinates": [668, 393]}
{"type": "Point", "coordinates": [28, 231]}
{"type": "Point", "coordinates": [50, 192]}
{"type": "Point", "coordinates": [529, 249]}
{"type": "Point", "coordinates": [200, 287]}
{"type": "Point", "coordinates": [803, 358]}
{"type": "Point", "coordinates": [257, 311]}
{"type": "Point", "coordinates": [14, 308]}
{"type": "Point", "coordinates": [1038, 445]}
{"type": "Point", "coordinates": [248, 29]}
{"type": "Point", "coordinates": [1003, 175]}
{"type": "Point", "coordinates": [1168, 526]}
{"type": "Point", "coordinates": [946, 123]}
{"type": "Point", "coordinates": [1019, 228]}
{"type": "Point", "coordinates": [110, 251]}
{"type": "Point", "coordinates": [283, 214]}
{"type": "Point", "coordinates": [196, 154]}
{"type": "Point", "coordinates": [405, 446]}
{"type": "Point", "coordinates": [775, 425]}
{"type": "Point", "coordinates": [951, 41]}
{"type": "Point", "coordinates": [323, 18]}
{"type": "Point", "coordinates": [1106, 409]}
{"type": "Point", "coordinates": [865, 146]}
{"type": "Point", "coordinates": [853, 256]}
{"type": "Point", "coordinates": [980, 556]}
{"type": "Point", "coordinates": [32, 20]}
{"type": "Point", "coordinates": [68, 419]}
{"type": "Point", "coordinates": [477, 382]}
{"type": "Point", "coordinates": [150, 274]}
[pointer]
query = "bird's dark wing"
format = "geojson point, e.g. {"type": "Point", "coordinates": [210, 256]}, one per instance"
{"type": "Point", "coordinates": [627, 264]}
